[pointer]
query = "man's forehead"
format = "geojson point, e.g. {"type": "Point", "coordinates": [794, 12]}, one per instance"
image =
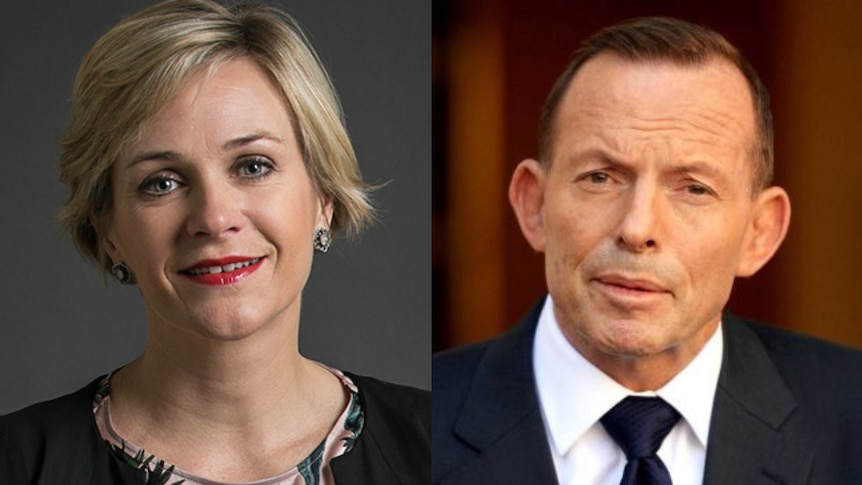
{"type": "Point", "coordinates": [608, 70]}
{"type": "Point", "coordinates": [624, 106]}
{"type": "Point", "coordinates": [609, 86]}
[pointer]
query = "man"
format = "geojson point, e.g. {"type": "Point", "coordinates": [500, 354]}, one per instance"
{"type": "Point", "coordinates": [651, 194]}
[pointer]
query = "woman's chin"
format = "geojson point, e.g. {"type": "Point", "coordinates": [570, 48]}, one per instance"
{"type": "Point", "coordinates": [224, 329]}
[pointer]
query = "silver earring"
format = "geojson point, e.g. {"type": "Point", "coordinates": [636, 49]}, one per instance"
{"type": "Point", "coordinates": [122, 273]}
{"type": "Point", "coordinates": [322, 239]}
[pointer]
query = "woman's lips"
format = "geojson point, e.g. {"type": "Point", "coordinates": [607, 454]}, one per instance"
{"type": "Point", "coordinates": [224, 271]}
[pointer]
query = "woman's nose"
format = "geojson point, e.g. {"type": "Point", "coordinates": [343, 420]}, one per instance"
{"type": "Point", "coordinates": [213, 210]}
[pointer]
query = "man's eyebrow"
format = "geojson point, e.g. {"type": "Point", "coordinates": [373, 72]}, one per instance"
{"type": "Point", "coordinates": [600, 155]}
{"type": "Point", "coordinates": [605, 157]}
{"type": "Point", "coordinates": [699, 166]}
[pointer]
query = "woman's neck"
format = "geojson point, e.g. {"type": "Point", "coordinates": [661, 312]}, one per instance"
{"type": "Point", "coordinates": [246, 399]}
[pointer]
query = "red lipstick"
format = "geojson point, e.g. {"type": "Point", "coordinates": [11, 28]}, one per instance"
{"type": "Point", "coordinates": [222, 271]}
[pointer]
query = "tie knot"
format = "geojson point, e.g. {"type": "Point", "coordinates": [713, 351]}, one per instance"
{"type": "Point", "coordinates": [640, 424]}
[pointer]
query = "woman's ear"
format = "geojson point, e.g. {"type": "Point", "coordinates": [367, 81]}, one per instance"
{"type": "Point", "coordinates": [327, 208]}
{"type": "Point", "coordinates": [527, 196]}
{"type": "Point", "coordinates": [105, 237]}
{"type": "Point", "coordinates": [766, 231]}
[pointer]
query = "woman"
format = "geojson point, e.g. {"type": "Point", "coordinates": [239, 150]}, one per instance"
{"type": "Point", "coordinates": [207, 162]}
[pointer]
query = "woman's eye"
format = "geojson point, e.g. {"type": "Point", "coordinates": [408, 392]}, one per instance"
{"type": "Point", "coordinates": [159, 186]}
{"type": "Point", "coordinates": [254, 168]}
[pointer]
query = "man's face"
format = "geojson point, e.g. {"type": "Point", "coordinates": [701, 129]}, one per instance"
{"type": "Point", "coordinates": [645, 212]}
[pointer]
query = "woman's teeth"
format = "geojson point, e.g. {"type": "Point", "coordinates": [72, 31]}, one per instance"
{"type": "Point", "coordinates": [223, 269]}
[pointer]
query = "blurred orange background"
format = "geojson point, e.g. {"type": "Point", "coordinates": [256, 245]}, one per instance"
{"type": "Point", "coordinates": [494, 63]}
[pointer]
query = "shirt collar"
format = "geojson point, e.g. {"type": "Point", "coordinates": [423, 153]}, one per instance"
{"type": "Point", "coordinates": [574, 394]}
{"type": "Point", "coordinates": [692, 391]}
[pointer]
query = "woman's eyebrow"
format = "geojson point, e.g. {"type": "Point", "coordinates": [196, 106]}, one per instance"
{"type": "Point", "coordinates": [232, 144]}
{"type": "Point", "coordinates": [248, 139]}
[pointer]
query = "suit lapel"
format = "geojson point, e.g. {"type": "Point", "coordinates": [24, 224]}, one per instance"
{"type": "Point", "coordinates": [752, 434]}
{"type": "Point", "coordinates": [501, 418]}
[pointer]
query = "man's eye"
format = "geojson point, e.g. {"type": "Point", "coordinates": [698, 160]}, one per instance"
{"type": "Point", "coordinates": [598, 177]}
{"type": "Point", "coordinates": [698, 189]}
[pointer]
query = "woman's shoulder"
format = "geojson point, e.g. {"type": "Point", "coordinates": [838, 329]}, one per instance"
{"type": "Point", "coordinates": [12, 463]}
{"type": "Point", "coordinates": [393, 399]}
{"type": "Point", "coordinates": [396, 439]}
{"type": "Point", "coordinates": [391, 394]}
{"type": "Point", "coordinates": [65, 414]}
{"type": "Point", "coordinates": [394, 408]}
{"type": "Point", "coordinates": [60, 432]}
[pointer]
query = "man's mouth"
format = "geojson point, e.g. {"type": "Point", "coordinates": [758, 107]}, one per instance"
{"type": "Point", "coordinates": [632, 284]}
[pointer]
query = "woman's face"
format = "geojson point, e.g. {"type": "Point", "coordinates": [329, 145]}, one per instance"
{"type": "Point", "coordinates": [214, 211]}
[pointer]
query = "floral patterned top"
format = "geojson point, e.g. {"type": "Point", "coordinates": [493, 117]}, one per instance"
{"type": "Point", "coordinates": [313, 470]}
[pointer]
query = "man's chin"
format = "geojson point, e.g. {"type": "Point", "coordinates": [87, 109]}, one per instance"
{"type": "Point", "coordinates": [637, 349]}
{"type": "Point", "coordinates": [635, 338]}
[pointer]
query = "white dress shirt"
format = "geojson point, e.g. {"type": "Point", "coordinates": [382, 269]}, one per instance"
{"type": "Point", "coordinates": [574, 395]}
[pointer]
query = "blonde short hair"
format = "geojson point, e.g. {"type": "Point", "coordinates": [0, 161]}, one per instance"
{"type": "Point", "coordinates": [135, 69]}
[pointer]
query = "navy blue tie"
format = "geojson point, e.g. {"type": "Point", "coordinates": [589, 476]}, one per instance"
{"type": "Point", "coordinates": [639, 425]}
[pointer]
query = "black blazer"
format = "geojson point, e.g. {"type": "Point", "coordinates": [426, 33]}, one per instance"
{"type": "Point", "coordinates": [57, 442]}
{"type": "Point", "coordinates": [787, 410]}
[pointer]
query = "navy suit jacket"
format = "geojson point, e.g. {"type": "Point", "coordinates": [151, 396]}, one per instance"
{"type": "Point", "coordinates": [787, 410]}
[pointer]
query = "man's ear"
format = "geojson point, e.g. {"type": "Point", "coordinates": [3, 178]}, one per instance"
{"type": "Point", "coordinates": [766, 231]}
{"type": "Point", "coordinates": [527, 196]}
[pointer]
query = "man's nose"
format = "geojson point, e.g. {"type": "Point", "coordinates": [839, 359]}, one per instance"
{"type": "Point", "coordinates": [641, 214]}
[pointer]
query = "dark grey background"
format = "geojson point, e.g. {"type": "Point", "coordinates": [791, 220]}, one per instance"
{"type": "Point", "coordinates": [367, 306]}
